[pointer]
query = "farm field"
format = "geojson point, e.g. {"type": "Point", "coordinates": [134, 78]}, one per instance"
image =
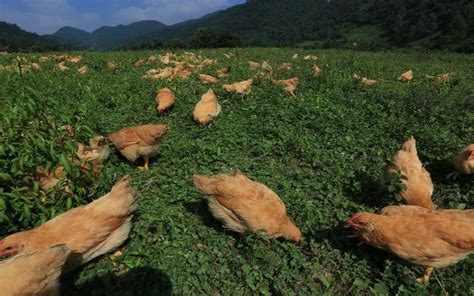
{"type": "Point", "coordinates": [322, 152]}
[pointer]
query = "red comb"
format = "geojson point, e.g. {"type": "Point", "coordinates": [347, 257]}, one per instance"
{"type": "Point", "coordinates": [352, 221]}
{"type": "Point", "coordinates": [471, 154]}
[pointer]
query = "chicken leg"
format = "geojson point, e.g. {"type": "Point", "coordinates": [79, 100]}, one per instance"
{"type": "Point", "coordinates": [145, 166]}
{"type": "Point", "coordinates": [453, 175]}
{"type": "Point", "coordinates": [426, 277]}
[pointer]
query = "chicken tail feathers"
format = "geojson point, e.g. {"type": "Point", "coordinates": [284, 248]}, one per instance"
{"type": "Point", "coordinates": [410, 145]}
{"type": "Point", "coordinates": [123, 196]}
{"type": "Point", "coordinates": [204, 184]}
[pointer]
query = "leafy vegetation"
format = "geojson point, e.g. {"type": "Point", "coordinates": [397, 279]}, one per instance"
{"type": "Point", "coordinates": [323, 153]}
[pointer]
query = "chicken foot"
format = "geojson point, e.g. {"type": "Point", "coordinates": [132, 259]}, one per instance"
{"type": "Point", "coordinates": [426, 277]}
{"type": "Point", "coordinates": [145, 166]}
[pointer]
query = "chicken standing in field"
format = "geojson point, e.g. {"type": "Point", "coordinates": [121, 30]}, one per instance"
{"type": "Point", "coordinates": [89, 231]}
{"type": "Point", "coordinates": [463, 162]}
{"type": "Point", "coordinates": [139, 141]}
{"type": "Point", "coordinates": [288, 85]}
{"type": "Point", "coordinates": [419, 186]}
{"type": "Point", "coordinates": [62, 66]}
{"type": "Point", "coordinates": [316, 71]}
{"type": "Point", "coordinates": [432, 238]}
{"type": "Point", "coordinates": [253, 65]}
{"type": "Point", "coordinates": [368, 82]}
{"type": "Point", "coordinates": [224, 72]}
{"type": "Point", "coordinates": [33, 274]}
{"type": "Point", "coordinates": [83, 70]}
{"type": "Point", "coordinates": [245, 205]}
{"type": "Point", "coordinates": [207, 108]}
{"type": "Point", "coordinates": [242, 87]}
{"type": "Point", "coordinates": [165, 99]}
{"type": "Point", "coordinates": [407, 76]}
{"type": "Point", "coordinates": [208, 79]}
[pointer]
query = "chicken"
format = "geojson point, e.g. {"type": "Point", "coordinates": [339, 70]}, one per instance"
{"type": "Point", "coordinates": [139, 141]}
{"type": "Point", "coordinates": [245, 205]}
{"type": "Point", "coordinates": [419, 186]}
{"type": "Point", "coordinates": [165, 99]}
{"type": "Point", "coordinates": [224, 72]}
{"type": "Point", "coordinates": [43, 59]}
{"type": "Point", "coordinates": [253, 65]}
{"type": "Point", "coordinates": [83, 70]}
{"type": "Point", "coordinates": [432, 238]}
{"type": "Point", "coordinates": [33, 274]}
{"type": "Point", "coordinates": [285, 66]}
{"type": "Point", "coordinates": [316, 70]}
{"type": "Point", "coordinates": [310, 57]}
{"type": "Point", "coordinates": [139, 63]}
{"type": "Point", "coordinates": [207, 108]}
{"type": "Point", "coordinates": [242, 87]}
{"type": "Point", "coordinates": [35, 66]}
{"type": "Point", "coordinates": [49, 178]}
{"type": "Point", "coordinates": [75, 60]}
{"type": "Point", "coordinates": [62, 66]}
{"type": "Point", "coordinates": [368, 82]}
{"type": "Point", "coordinates": [208, 79]}
{"type": "Point", "coordinates": [111, 65]}
{"type": "Point", "coordinates": [89, 231]}
{"type": "Point", "coordinates": [407, 76]}
{"type": "Point", "coordinates": [295, 56]}
{"type": "Point", "coordinates": [463, 162]}
{"type": "Point", "coordinates": [165, 59]}
{"type": "Point", "coordinates": [96, 153]}
{"type": "Point", "coordinates": [288, 85]}
{"type": "Point", "coordinates": [229, 55]}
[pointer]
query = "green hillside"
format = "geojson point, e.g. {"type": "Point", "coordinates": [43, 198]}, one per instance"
{"type": "Point", "coordinates": [12, 38]}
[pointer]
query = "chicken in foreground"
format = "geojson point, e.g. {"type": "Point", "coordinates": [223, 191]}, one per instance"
{"type": "Point", "coordinates": [432, 238]}
{"type": "Point", "coordinates": [419, 186]}
{"type": "Point", "coordinates": [139, 141]}
{"type": "Point", "coordinates": [165, 99]}
{"type": "Point", "coordinates": [89, 231]}
{"type": "Point", "coordinates": [33, 274]}
{"type": "Point", "coordinates": [242, 87]}
{"type": "Point", "coordinates": [245, 205]}
{"type": "Point", "coordinates": [463, 162]}
{"type": "Point", "coordinates": [207, 108]}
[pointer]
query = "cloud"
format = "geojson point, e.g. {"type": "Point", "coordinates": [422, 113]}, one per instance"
{"type": "Point", "coordinates": [170, 12]}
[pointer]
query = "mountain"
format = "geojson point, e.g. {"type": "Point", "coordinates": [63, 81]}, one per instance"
{"type": "Point", "coordinates": [13, 38]}
{"type": "Point", "coordinates": [106, 37]}
{"type": "Point", "coordinates": [362, 24]}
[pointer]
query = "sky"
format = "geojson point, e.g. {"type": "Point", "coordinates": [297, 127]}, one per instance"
{"type": "Point", "coordinates": [47, 16]}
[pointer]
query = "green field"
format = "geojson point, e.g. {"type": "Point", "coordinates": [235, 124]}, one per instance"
{"type": "Point", "coordinates": [323, 153]}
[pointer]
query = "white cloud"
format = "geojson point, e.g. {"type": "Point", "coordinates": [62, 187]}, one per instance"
{"type": "Point", "coordinates": [170, 12]}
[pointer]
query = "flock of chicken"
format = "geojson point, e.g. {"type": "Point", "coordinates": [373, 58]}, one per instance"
{"type": "Point", "coordinates": [416, 232]}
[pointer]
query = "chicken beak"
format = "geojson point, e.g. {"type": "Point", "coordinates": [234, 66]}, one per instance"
{"type": "Point", "coordinates": [9, 252]}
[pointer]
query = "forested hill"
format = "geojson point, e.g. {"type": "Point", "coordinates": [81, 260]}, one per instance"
{"type": "Point", "coordinates": [365, 24]}
{"type": "Point", "coordinates": [12, 38]}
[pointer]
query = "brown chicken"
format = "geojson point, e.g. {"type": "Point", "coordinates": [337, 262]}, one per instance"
{"type": "Point", "coordinates": [139, 63]}
{"type": "Point", "coordinates": [49, 178]}
{"type": "Point", "coordinates": [207, 108]}
{"type": "Point", "coordinates": [407, 76]}
{"type": "Point", "coordinates": [111, 65]}
{"type": "Point", "coordinates": [33, 274]}
{"type": "Point", "coordinates": [89, 231]}
{"type": "Point", "coordinates": [316, 71]}
{"type": "Point", "coordinates": [288, 85]}
{"type": "Point", "coordinates": [432, 238]}
{"type": "Point", "coordinates": [224, 72]}
{"type": "Point", "coordinates": [97, 151]}
{"type": "Point", "coordinates": [245, 205]}
{"type": "Point", "coordinates": [419, 186]}
{"type": "Point", "coordinates": [165, 99]}
{"type": "Point", "coordinates": [242, 87]}
{"type": "Point", "coordinates": [310, 57]}
{"type": "Point", "coordinates": [208, 79]}
{"type": "Point", "coordinates": [463, 162]}
{"type": "Point", "coordinates": [286, 66]}
{"type": "Point", "coordinates": [139, 141]}
{"type": "Point", "coordinates": [62, 66]}
{"type": "Point", "coordinates": [253, 65]}
{"type": "Point", "coordinates": [368, 82]}
{"type": "Point", "coordinates": [83, 70]}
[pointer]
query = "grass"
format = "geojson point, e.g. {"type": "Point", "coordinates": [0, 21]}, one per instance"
{"type": "Point", "coordinates": [323, 153]}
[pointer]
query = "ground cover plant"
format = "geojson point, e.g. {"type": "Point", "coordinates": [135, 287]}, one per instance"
{"type": "Point", "coordinates": [323, 152]}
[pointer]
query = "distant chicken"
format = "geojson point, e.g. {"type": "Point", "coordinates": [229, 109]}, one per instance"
{"type": "Point", "coordinates": [35, 66]}
{"type": "Point", "coordinates": [245, 205]}
{"type": "Point", "coordinates": [407, 76]}
{"type": "Point", "coordinates": [62, 66]}
{"type": "Point", "coordinates": [463, 162]}
{"type": "Point", "coordinates": [242, 87]}
{"type": "Point", "coordinates": [295, 56]}
{"type": "Point", "coordinates": [207, 108]}
{"type": "Point", "coordinates": [229, 55]}
{"type": "Point", "coordinates": [368, 82]}
{"type": "Point", "coordinates": [208, 79]}
{"type": "Point", "coordinates": [83, 70]}
{"type": "Point", "coordinates": [89, 231]}
{"type": "Point", "coordinates": [285, 66]}
{"type": "Point", "coordinates": [310, 57]}
{"type": "Point", "coordinates": [139, 141]}
{"type": "Point", "coordinates": [253, 65]}
{"type": "Point", "coordinates": [139, 63]}
{"type": "Point", "coordinates": [224, 72]}
{"type": "Point", "coordinates": [316, 71]}
{"type": "Point", "coordinates": [419, 186]}
{"type": "Point", "coordinates": [165, 99]}
{"type": "Point", "coordinates": [432, 238]}
{"type": "Point", "coordinates": [43, 59]}
{"type": "Point", "coordinates": [289, 84]}
{"type": "Point", "coordinates": [74, 60]}
{"type": "Point", "coordinates": [35, 273]}
{"type": "Point", "coordinates": [111, 65]}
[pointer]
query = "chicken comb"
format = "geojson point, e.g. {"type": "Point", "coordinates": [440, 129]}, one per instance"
{"type": "Point", "coordinates": [352, 221]}
{"type": "Point", "coordinates": [470, 155]}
